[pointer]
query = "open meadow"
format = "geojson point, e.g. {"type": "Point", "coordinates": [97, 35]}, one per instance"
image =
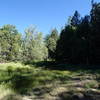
{"type": "Point", "coordinates": [50, 50]}
{"type": "Point", "coordinates": [31, 82]}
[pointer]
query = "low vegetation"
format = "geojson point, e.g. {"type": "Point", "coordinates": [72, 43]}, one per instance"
{"type": "Point", "coordinates": [27, 81]}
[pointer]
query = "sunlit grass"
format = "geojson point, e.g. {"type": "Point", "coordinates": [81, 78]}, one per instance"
{"type": "Point", "coordinates": [26, 75]}
{"type": "Point", "coordinates": [5, 90]}
{"type": "Point", "coordinates": [17, 78]}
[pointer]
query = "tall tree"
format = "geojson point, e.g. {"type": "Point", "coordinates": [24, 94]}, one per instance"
{"type": "Point", "coordinates": [68, 43]}
{"type": "Point", "coordinates": [95, 33]}
{"type": "Point", "coordinates": [10, 42]}
{"type": "Point", "coordinates": [34, 48]}
{"type": "Point", "coordinates": [84, 33]}
{"type": "Point", "coordinates": [51, 42]}
{"type": "Point", "coordinates": [75, 20]}
{"type": "Point", "coordinates": [64, 50]}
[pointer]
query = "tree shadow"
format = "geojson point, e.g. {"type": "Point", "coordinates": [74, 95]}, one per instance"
{"type": "Point", "coordinates": [19, 82]}
{"type": "Point", "coordinates": [52, 65]}
{"type": "Point", "coordinates": [76, 96]}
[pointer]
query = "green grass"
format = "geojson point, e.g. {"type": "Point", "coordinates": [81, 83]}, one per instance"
{"type": "Point", "coordinates": [17, 78]}
{"type": "Point", "coordinates": [28, 76]}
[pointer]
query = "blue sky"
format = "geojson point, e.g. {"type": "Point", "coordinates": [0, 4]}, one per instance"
{"type": "Point", "coordinates": [45, 14]}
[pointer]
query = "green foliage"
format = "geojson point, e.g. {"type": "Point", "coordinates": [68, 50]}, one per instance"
{"type": "Point", "coordinates": [34, 48]}
{"type": "Point", "coordinates": [51, 42]}
{"type": "Point", "coordinates": [14, 47]}
{"type": "Point", "coordinates": [80, 39]}
{"type": "Point", "coordinates": [10, 41]}
{"type": "Point", "coordinates": [75, 20]}
{"type": "Point", "coordinates": [18, 79]}
{"type": "Point", "coordinates": [95, 36]}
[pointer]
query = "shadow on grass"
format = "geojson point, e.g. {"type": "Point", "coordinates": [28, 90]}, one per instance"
{"type": "Point", "coordinates": [52, 65]}
{"type": "Point", "coordinates": [77, 96]}
{"type": "Point", "coordinates": [20, 82]}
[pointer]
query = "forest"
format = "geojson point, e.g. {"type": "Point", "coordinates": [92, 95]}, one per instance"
{"type": "Point", "coordinates": [61, 65]}
{"type": "Point", "coordinates": [78, 41]}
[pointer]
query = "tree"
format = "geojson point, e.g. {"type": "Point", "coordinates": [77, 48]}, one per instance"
{"type": "Point", "coordinates": [84, 34]}
{"type": "Point", "coordinates": [51, 42]}
{"type": "Point", "coordinates": [34, 48]}
{"type": "Point", "coordinates": [75, 20]}
{"type": "Point", "coordinates": [64, 45]}
{"type": "Point", "coordinates": [95, 33]}
{"type": "Point", "coordinates": [10, 42]}
{"type": "Point", "coordinates": [67, 46]}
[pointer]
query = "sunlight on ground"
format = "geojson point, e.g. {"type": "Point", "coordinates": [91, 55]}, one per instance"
{"type": "Point", "coordinates": [19, 79]}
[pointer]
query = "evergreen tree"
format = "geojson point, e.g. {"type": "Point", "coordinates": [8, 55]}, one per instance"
{"type": "Point", "coordinates": [51, 42]}
{"type": "Point", "coordinates": [67, 46]}
{"type": "Point", "coordinates": [84, 33]}
{"type": "Point", "coordinates": [95, 33]}
{"type": "Point", "coordinates": [75, 20]}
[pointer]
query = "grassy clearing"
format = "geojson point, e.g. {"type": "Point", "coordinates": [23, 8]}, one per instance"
{"type": "Point", "coordinates": [19, 79]}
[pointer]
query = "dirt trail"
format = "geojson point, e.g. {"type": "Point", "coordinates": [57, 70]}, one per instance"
{"type": "Point", "coordinates": [71, 91]}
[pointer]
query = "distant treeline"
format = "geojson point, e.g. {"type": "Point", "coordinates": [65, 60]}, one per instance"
{"type": "Point", "coordinates": [78, 43]}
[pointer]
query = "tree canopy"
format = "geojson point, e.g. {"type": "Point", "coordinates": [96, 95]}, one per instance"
{"type": "Point", "coordinates": [78, 42]}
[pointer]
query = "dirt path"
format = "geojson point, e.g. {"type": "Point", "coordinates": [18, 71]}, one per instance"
{"type": "Point", "coordinates": [71, 91]}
